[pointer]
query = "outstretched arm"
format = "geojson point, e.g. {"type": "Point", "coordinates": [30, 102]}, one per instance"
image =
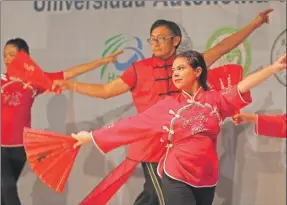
{"type": "Point", "coordinates": [84, 68]}
{"type": "Point", "coordinates": [104, 91]}
{"type": "Point", "coordinates": [236, 39]}
{"type": "Point", "coordinates": [113, 88]}
{"type": "Point", "coordinates": [142, 126]}
{"type": "Point", "coordinates": [239, 96]}
{"type": "Point", "coordinates": [258, 77]}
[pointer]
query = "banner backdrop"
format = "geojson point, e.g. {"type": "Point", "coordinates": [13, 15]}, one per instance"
{"type": "Point", "coordinates": [66, 33]}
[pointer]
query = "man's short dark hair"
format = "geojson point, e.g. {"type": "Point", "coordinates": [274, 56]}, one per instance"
{"type": "Point", "coordinates": [173, 27]}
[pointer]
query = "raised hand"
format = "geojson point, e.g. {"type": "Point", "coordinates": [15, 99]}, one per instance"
{"type": "Point", "coordinates": [113, 57]}
{"type": "Point", "coordinates": [82, 137]}
{"type": "Point", "coordinates": [243, 118]}
{"type": "Point", "coordinates": [63, 84]}
{"type": "Point", "coordinates": [262, 18]}
{"type": "Point", "coordinates": [280, 64]}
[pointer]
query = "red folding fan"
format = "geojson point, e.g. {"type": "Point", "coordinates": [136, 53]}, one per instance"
{"type": "Point", "coordinates": [23, 67]}
{"type": "Point", "coordinates": [225, 76]}
{"type": "Point", "coordinates": [51, 156]}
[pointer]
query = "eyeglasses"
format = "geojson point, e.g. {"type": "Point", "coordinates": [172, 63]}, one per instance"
{"type": "Point", "coordinates": [159, 39]}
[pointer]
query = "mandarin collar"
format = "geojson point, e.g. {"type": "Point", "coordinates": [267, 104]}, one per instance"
{"type": "Point", "coordinates": [160, 62]}
{"type": "Point", "coordinates": [191, 98]}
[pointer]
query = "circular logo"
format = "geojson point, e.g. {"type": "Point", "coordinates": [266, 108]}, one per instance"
{"type": "Point", "coordinates": [278, 49]}
{"type": "Point", "coordinates": [131, 44]}
{"type": "Point", "coordinates": [240, 55]}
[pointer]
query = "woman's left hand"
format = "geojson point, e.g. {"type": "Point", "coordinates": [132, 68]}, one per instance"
{"type": "Point", "coordinates": [82, 137]}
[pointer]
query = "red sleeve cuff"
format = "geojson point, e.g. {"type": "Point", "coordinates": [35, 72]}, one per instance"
{"type": "Point", "coordinates": [242, 99]}
{"type": "Point", "coordinates": [56, 75]}
{"type": "Point", "coordinates": [272, 126]}
{"type": "Point", "coordinates": [96, 144]}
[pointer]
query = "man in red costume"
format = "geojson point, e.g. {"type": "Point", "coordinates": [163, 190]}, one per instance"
{"type": "Point", "coordinates": [149, 80]}
{"type": "Point", "coordinates": [267, 125]}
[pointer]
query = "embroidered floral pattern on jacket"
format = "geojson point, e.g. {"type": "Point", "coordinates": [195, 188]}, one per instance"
{"type": "Point", "coordinates": [12, 99]}
{"type": "Point", "coordinates": [214, 110]}
{"type": "Point", "coordinates": [196, 123]}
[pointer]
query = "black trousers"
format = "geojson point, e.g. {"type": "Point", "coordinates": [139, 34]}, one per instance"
{"type": "Point", "coordinates": [12, 162]}
{"type": "Point", "coordinates": [152, 193]}
{"type": "Point", "coordinates": [179, 193]}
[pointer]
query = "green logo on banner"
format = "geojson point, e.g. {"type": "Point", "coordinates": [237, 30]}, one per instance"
{"type": "Point", "coordinates": [132, 45]}
{"type": "Point", "coordinates": [240, 55]}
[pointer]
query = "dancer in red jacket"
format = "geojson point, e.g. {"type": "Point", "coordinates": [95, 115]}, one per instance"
{"type": "Point", "coordinates": [17, 98]}
{"type": "Point", "coordinates": [185, 127]}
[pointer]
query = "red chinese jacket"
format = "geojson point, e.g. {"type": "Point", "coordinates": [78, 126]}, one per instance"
{"type": "Point", "coordinates": [16, 105]}
{"type": "Point", "coordinates": [184, 127]}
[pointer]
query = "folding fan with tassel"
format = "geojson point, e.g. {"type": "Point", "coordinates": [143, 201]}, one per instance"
{"type": "Point", "coordinates": [25, 68]}
{"type": "Point", "coordinates": [225, 76]}
{"type": "Point", "coordinates": [51, 156]}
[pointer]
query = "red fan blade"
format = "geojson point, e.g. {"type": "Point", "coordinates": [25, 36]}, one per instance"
{"type": "Point", "coordinates": [66, 174]}
{"type": "Point", "coordinates": [51, 156]}
{"type": "Point", "coordinates": [36, 152]}
{"type": "Point", "coordinates": [23, 67]}
{"type": "Point", "coordinates": [224, 76]}
{"type": "Point", "coordinates": [48, 176]}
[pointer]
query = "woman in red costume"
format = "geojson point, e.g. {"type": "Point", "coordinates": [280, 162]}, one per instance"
{"type": "Point", "coordinates": [17, 98]}
{"type": "Point", "coordinates": [186, 127]}
{"type": "Point", "coordinates": [267, 125]}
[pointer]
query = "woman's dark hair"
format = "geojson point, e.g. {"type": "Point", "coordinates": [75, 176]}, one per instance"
{"type": "Point", "coordinates": [20, 44]}
{"type": "Point", "coordinates": [173, 27]}
{"type": "Point", "coordinates": [195, 60]}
